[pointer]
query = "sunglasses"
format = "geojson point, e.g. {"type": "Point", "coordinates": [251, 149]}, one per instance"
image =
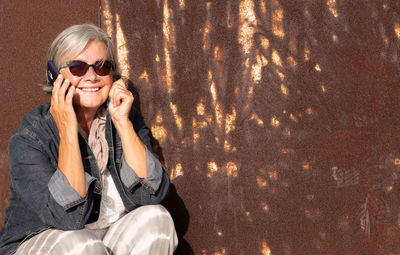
{"type": "Point", "coordinates": [80, 68]}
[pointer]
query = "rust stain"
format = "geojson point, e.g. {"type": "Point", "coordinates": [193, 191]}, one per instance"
{"type": "Point", "coordinates": [309, 111]}
{"type": "Point", "coordinates": [397, 161]}
{"type": "Point", "coordinates": [311, 197]}
{"type": "Point", "coordinates": [317, 67]}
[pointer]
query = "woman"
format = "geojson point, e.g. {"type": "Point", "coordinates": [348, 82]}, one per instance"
{"type": "Point", "coordinates": [83, 177]}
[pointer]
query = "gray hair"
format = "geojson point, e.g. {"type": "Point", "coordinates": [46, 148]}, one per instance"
{"type": "Point", "coordinates": [70, 43]}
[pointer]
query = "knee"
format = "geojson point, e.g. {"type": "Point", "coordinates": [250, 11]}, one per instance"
{"type": "Point", "coordinates": [158, 218]}
{"type": "Point", "coordinates": [79, 242]}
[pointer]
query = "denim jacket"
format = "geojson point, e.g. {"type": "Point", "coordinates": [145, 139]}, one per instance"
{"type": "Point", "coordinates": [41, 196]}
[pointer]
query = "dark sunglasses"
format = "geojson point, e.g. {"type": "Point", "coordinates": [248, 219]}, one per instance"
{"type": "Point", "coordinates": [80, 68]}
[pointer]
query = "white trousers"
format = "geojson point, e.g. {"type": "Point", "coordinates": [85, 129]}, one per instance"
{"type": "Point", "coordinates": [146, 230]}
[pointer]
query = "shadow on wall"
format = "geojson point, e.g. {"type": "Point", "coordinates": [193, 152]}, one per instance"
{"type": "Point", "coordinates": [278, 120]}
{"type": "Point", "coordinates": [173, 202]}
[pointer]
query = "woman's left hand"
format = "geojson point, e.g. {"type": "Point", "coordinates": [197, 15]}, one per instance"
{"type": "Point", "coordinates": [121, 100]}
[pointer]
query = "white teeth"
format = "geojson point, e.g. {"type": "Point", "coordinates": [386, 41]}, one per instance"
{"type": "Point", "coordinates": [90, 89]}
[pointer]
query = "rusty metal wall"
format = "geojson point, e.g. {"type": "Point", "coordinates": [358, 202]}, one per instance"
{"type": "Point", "coordinates": [276, 120]}
{"type": "Point", "coordinates": [27, 28]}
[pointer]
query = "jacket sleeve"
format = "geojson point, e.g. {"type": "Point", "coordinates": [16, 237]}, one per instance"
{"type": "Point", "coordinates": [154, 188]}
{"type": "Point", "coordinates": [43, 187]}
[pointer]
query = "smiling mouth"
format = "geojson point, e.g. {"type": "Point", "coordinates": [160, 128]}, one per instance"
{"type": "Point", "coordinates": [90, 89]}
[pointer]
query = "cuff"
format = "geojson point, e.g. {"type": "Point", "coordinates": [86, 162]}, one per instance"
{"type": "Point", "coordinates": [154, 174]}
{"type": "Point", "coordinates": [62, 191]}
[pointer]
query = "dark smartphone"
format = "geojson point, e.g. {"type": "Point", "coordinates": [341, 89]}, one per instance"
{"type": "Point", "coordinates": [52, 72]}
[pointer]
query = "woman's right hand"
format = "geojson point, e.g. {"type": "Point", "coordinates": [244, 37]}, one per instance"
{"type": "Point", "coordinates": [62, 109]}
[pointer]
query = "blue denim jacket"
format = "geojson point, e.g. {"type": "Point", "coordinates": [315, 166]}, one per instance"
{"type": "Point", "coordinates": [41, 197]}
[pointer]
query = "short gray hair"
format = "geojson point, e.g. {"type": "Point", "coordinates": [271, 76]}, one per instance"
{"type": "Point", "coordinates": [70, 42]}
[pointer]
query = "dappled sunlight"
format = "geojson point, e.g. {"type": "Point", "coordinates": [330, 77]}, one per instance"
{"type": "Point", "coordinates": [169, 45]}
{"type": "Point", "coordinates": [332, 8]}
{"type": "Point", "coordinates": [122, 49]}
{"type": "Point", "coordinates": [265, 250]}
{"type": "Point", "coordinates": [244, 99]}
{"type": "Point", "coordinates": [275, 122]}
{"type": "Point", "coordinates": [247, 25]}
{"type": "Point", "coordinates": [397, 30]}
{"type": "Point", "coordinates": [277, 20]}
{"type": "Point", "coordinates": [276, 59]}
{"type": "Point", "coordinates": [160, 133]}
{"type": "Point", "coordinates": [181, 4]}
{"type": "Point", "coordinates": [178, 119]}
{"type": "Point", "coordinates": [258, 120]}
{"type": "Point", "coordinates": [176, 172]}
{"type": "Point", "coordinates": [108, 18]}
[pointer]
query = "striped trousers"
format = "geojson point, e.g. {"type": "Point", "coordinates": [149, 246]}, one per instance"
{"type": "Point", "coordinates": [146, 230]}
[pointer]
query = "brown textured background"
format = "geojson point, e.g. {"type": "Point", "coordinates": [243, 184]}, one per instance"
{"type": "Point", "coordinates": [278, 121]}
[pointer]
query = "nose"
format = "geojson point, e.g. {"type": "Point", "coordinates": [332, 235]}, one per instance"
{"type": "Point", "coordinates": [91, 74]}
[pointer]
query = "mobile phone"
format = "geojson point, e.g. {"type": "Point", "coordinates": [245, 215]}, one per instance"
{"type": "Point", "coordinates": [52, 72]}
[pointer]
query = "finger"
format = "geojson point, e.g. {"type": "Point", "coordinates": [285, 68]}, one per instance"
{"type": "Point", "coordinates": [70, 95]}
{"type": "Point", "coordinates": [56, 86]}
{"type": "Point", "coordinates": [63, 90]}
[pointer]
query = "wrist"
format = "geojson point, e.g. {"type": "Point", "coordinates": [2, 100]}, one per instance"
{"type": "Point", "coordinates": [122, 124]}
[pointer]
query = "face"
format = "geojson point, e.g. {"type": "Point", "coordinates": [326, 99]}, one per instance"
{"type": "Point", "coordinates": [91, 89]}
